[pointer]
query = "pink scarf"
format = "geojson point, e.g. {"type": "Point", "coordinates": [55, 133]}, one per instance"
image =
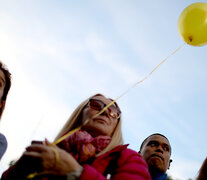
{"type": "Point", "coordinates": [82, 146]}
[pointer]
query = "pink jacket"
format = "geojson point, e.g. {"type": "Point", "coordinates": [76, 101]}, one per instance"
{"type": "Point", "coordinates": [127, 164]}
{"type": "Point", "coordinates": [117, 164]}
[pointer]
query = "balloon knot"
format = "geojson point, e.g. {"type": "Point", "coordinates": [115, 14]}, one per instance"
{"type": "Point", "coordinates": [190, 38]}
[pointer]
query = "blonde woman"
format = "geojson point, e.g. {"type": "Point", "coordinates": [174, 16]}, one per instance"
{"type": "Point", "coordinates": [94, 152]}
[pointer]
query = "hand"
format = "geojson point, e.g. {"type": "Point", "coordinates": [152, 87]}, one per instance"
{"type": "Point", "coordinates": [54, 159]}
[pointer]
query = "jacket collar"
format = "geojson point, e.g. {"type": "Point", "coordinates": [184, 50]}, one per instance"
{"type": "Point", "coordinates": [160, 176]}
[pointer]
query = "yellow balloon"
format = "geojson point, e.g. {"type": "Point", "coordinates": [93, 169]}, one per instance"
{"type": "Point", "coordinates": [192, 24]}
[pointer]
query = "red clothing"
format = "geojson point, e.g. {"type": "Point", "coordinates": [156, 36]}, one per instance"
{"type": "Point", "coordinates": [129, 165]}
{"type": "Point", "coordinates": [119, 163]}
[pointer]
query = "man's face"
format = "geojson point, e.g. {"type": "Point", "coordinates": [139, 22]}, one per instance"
{"type": "Point", "coordinates": [156, 152]}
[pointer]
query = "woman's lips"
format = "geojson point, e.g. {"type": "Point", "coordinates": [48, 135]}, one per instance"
{"type": "Point", "coordinates": [101, 120]}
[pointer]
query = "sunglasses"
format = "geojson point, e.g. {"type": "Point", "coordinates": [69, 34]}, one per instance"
{"type": "Point", "coordinates": [98, 105]}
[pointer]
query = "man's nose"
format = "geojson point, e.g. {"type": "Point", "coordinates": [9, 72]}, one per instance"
{"type": "Point", "coordinates": [159, 149]}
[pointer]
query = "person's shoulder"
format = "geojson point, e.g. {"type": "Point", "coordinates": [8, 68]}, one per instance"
{"type": "Point", "coordinates": [3, 142]}
{"type": "Point", "coordinates": [127, 154]}
{"type": "Point", "coordinates": [126, 150]}
{"type": "Point", "coordinates": [133, 161]}
{"type": "Point", "coordinates": [2, 137]}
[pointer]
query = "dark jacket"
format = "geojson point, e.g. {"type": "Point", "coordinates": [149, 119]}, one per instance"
{"type": "Point", "coordinates": [3, 145]}
{"type": "Point", "coordinates": [160, 176]}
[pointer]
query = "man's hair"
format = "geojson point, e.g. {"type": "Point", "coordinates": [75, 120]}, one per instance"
{"type": "Point", "coordinates": [7, 75]}
{"type": "Point", "coordinates": [143, 143]}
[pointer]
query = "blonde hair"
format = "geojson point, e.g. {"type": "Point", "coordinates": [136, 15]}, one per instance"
{"type": "Point", "coordinates": [74, 121]}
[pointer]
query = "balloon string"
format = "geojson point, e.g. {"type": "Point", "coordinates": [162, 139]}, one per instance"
{"type": "Point", "coordinates": [138, 82]}
{"type": "Point", "coordinates": [66, 135]}
{"type": "Point", "coordinates": [125, 92]}
{"type": "Point", "coordinates": [33, 175]}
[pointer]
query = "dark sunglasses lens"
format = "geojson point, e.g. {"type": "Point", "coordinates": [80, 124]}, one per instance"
{"type": "Point", "coordinates": [114, 112]}
{"type": "Point", "coordinates": [99, 105]}
{"type": "Point", "coordinates": [96, 104]}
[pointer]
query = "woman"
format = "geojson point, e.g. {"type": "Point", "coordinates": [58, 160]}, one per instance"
{"type": "Point", "coordinates": [93, 152]}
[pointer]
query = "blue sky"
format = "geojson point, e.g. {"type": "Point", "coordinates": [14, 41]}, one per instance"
{"type": "Point", "coordinates": [61, 52]}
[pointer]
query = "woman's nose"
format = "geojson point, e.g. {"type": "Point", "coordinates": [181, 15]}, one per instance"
{"type": "Point", "coordinates": [106, 112]}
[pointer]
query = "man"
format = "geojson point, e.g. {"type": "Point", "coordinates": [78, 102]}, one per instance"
{"type": "Point", "coordinates": [156, 151]}
{"type": "Point", "coordinates": [5, 84]}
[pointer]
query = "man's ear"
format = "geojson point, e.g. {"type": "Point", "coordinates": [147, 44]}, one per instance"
{"type": "Point", "coordinates": [169, 163]}
{"type": "Point", "coordinates": [2, 104]}
{"type": "Point", "coordinates": [140, 152]}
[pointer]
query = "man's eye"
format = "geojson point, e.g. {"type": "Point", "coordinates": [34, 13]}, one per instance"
{"type": "Point", "coordinates": [166, 148]}
{"type": "Point", "coordinates": [152, 144]}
